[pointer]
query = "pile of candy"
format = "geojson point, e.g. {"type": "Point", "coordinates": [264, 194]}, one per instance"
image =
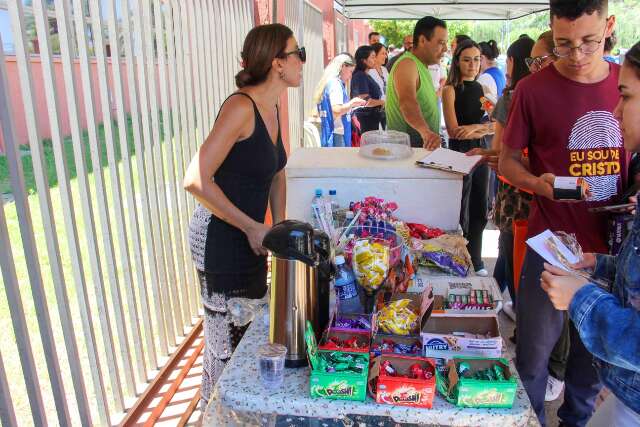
{"type": "Point", "coordinates": [397, 317]}
{"type": "Point", "coordinates": [341, 362]}
{"type": "Point", "coordinates": [370, 263]}
{"type": "Point", "coordinates": [478, 300]}
{"type": "Point", "coordinates": [361, 322]}
{"type": "Point", "coordinates": [390, 346]}
{"type": "Point", "coordinates": [435, 256]}
{"type": "Point", "coordinates": [416, 371]}
{"type": "Point", "coordinates": [494, 373]}
{"type": "Point", "coordinates": [421, 231]}
{"type": "Point", "coordinates": [351, 343]}
{"type": "Point", "coordinates": [374, 209]}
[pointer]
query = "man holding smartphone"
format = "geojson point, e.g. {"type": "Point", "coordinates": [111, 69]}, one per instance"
{"type": "Point", "coordinates": [563, 115]}
{"type": "Point", "coordinates": [412, 102]}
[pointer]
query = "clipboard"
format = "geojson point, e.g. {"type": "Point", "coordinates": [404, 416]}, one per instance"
{"type": "Point", "coordinates": [449, 161]}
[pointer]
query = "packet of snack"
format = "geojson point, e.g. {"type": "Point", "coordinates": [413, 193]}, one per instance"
{"type": "Point", "coordinates": [370, 261]}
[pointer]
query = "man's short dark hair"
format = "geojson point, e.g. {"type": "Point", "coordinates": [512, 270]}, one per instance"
{"type": "Point", "coordinates": [373, 33]}
{"type": "Point", "coordinates": [572, 9]}
{"type": "Point", "coordinates": [425, 27]}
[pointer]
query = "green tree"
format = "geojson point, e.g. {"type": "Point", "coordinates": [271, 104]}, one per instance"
{"type": "Point", "coordinates": [393, 31]}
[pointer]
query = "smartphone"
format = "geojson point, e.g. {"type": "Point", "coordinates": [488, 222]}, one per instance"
{"type": "Point", "coordinates": [613, 208]}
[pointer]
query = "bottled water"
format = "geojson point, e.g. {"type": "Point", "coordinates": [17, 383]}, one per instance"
{"type": "Point", "coordinates": [346, 288]}
{"type": "Point", "coordinates": [316, 204]}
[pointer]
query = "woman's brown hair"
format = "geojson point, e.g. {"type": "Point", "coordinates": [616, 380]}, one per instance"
{"type": "Point", "coordinates": [632, 58]}
{"type": "Point", "coordinates": [261, 46]}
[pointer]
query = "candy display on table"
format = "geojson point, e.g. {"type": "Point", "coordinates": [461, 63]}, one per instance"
{"type": "Point", "coordinates": [447, 252]}
{"type": "Point", "coordinates": [398, 317]}
{"type": "Point", "coordinates": [405, 345]}
{"type": "Point", "coordinates": [478, 383]}
{"type": "Point", "coordinates": [360, 322]}
{"type": "Point", "coordinates": [402, 313]}
{"type": "Point", "coordinates": [479, 299]}
{"type": "Point", "coordinates": [345, 340]}
{"type": "Point", "coordinates": [370, 263]}
{"type": "Point", "coordinates": [336, 374]}
{"type": "Point", "coordinates": [447, 336]}
{"type": "Point", "coordinates": [403, 380]}
{"type": "Point", "coordinates": [374, 209]}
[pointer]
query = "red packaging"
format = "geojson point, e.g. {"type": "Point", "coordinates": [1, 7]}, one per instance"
{"type": "Point", "coordinates": [403, 389]}
{"type": "Point", "coordinates": [351, 340]}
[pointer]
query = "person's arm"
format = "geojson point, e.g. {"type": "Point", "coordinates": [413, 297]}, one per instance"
{"type": "Point", "coordinates": [234, 123]}
{"type": "Point", "coordinates": [336, 97]}
{"type": "Point", "coordinates": [515, 138]}
{"type": "Point", "coordinates": [608, 330]}
{"type": "Point", "coordinates": [342, 109]}
{"type": "Point", "coordinates": [407, 81]}
{"type": "Point", "coordinates": [278, 196]}
{"type": "Point", "coordinates": [454, 130]}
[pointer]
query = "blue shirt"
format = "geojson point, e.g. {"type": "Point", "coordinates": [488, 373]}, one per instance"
{"type": "Point", "coordinates": [609, 322]}
{"type": "Point", "coordinates": [363, 83]}
{"type": "Point", "coordinates": [327, 120]}
{"type": "Point", "coordinates": [499, 78]}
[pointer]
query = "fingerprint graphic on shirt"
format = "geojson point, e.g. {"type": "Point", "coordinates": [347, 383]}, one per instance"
{"type": "Point", "coordinates": [594, 149]}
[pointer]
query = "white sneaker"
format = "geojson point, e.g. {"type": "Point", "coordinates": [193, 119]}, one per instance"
{"type": "Point", "coordinates": [554, 388]}
{"type": "Point", "coordinates": [482, 272]}
{"type": "Point", "coordinates": [507, 308]}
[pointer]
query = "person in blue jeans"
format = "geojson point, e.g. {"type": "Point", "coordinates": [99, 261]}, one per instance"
{"type": "Point", "coordinates": [608, 319]}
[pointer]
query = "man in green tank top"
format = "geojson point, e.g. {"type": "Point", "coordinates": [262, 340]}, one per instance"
{"type": "Point", "coordinates": [412, 103]}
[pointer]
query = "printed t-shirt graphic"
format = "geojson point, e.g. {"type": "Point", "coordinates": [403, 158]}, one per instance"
{"type": "Point", "coordinates": [594, 153]}
{"type": "Point", "coordinates": [569, 130]}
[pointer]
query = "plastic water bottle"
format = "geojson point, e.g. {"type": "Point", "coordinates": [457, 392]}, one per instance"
{"type": "Point", "coordinates": [348, 217]}
{"type": "Point", "coordinates": [335, 206]}
{"type": "Point", "coordinates": [316, 202]}
{"type": "Point", "coordinates": [346, 288]}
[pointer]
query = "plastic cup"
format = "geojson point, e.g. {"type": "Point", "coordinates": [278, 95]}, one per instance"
{"type": "Point", "coordinates": [271, 363]}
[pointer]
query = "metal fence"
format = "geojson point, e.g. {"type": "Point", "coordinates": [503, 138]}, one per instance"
{"type": "Point", "coordinates": [113, 290]}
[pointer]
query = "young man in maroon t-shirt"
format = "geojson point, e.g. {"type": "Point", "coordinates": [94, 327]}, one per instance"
{"type": "Point", "coordinates": [563, 115]}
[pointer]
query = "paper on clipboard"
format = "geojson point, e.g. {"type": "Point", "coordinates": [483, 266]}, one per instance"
{"type": "Point", "coordinates": [450, 161]}
{"type": "Point", "coordinates": [539, 245]}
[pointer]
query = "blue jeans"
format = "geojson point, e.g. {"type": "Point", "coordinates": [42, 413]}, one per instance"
{"type": "Point", "coordinates": [338, 140]}
{"type": "Point", "coordinates": [539, 326]}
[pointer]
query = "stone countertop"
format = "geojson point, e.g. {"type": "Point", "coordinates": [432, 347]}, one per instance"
{"type": "Point", "coordinates": [240, 395]}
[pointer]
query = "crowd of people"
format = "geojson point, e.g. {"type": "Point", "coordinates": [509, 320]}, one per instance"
{"type": "Point", "coordinates": [554, 112]}
{"type": "Point", "coordinates": [563, 109]}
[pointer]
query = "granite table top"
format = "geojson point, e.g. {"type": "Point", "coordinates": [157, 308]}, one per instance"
{"type": "Point", "coordinates": [240, 399]}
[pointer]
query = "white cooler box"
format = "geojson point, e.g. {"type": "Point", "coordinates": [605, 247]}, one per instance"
{"type": "Point", "coordinates": [426, 196]}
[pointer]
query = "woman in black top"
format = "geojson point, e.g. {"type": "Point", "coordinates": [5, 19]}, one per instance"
{"type": "Point", "coordinates": [236, 172]}
{"type": "Point", "coordinates": [363, 86]}
{"type": "Point", "coordinates": [463, 116]}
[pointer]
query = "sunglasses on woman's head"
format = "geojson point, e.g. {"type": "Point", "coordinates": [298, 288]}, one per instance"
{"type": "Point", "coordinates": [301, 52]}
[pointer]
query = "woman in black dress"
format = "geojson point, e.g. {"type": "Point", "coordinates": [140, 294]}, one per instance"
{"type": "Point", "coordinates": [237, 171]}
{"type": "Point", "coordinates": [463, 116]}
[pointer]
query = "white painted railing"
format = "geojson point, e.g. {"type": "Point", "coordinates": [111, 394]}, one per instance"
{"type": "Point", "coordinates": [98, 279]}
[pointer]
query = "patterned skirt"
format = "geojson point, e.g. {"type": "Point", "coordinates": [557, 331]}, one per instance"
{"type": "Point", "coordinates": [221, 336]}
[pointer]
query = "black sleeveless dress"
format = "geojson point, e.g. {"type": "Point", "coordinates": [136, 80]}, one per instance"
{"type": "Point", "coordinates": [245, 177]}
{"type": "Point", "coordinates": [468, 112]}
{"type": "Point", "coordinates": [227, 267]}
